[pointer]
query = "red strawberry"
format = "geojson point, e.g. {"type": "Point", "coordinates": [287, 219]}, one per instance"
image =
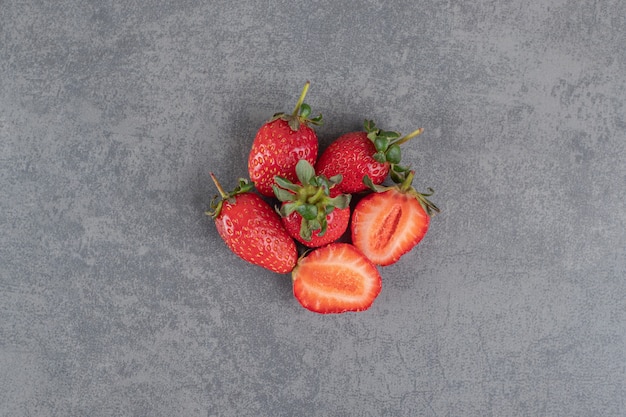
{"type": "Point", "coordinates": [280, 144]}
{"type": "Point", "coordinates": [314, 212]}
{"type": "Point", "coordinates": [252, 229]}
{"type": "Point", "coordinates": [357, 154]}
{"type": "Point", "coordinates": [337, 221]}
{"type": "Point", "coordinates": [336, 278]}
{"type": "Point", "coordinates": [390, 222]}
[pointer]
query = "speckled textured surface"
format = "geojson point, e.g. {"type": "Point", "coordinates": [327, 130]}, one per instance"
{"type": "Point", "coordinates": [117, 297]}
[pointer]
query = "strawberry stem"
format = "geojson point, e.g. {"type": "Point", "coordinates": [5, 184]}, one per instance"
{"type": "Point", "coordinates": [305, 89]}
{"type": "Point", "coordinates": [315, 198]}
{"type": "Point", "coordinates": [219, 187]}
{"type": "Point", "coordinates": [409, 136]}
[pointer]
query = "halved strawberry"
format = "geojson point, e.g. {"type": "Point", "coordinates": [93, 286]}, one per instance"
{"type": "Point", "coordinates": [373, 152]}
{"type": "Point", "coordinates": [280, 143]}
{"type": "Point", "coordinates": [391, 221]}
{"type": "Point", "coordinates": [314, 211]}
{"type": "Point", "coordinates": [336, 278]}
{"type": "Point", "coordinates": [252, 229]}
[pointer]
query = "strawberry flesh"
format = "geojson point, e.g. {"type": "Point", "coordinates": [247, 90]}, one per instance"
{"type": "Point", "coordinates": [388, 224]}
{"type": "Point", "coordinates": [336, 278]}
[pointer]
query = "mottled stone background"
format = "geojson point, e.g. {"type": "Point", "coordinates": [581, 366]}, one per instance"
{"type": "Point", "coordinates": [117, 297]}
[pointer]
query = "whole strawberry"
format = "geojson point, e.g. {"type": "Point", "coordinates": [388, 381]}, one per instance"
{"type": "Point", "coordinates": [252, 229]}
{"type": "Point", "coordinates": [374, 153]}
{"type": "Point", "coordinates": [313, 210]}
{"type": "Point", "coordinates": [389, 222]}
{"type": "Point", "coordinates": [281, 143]}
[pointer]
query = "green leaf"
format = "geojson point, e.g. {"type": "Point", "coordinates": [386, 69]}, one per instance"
{"type": "Point", "coordinates": [304, 171]}
{"type": "Point", "coordinates": [399, 168]}
{"type": "Point", "coordinates": [244, 186]}
{"type": "Point", "coordinates": [307, 227]}
{"type": "Point", "coordinates": [322, 183]}
{"type": "Point", "coordinates": [323, 227]}
{"type": "Point", "coordinates": [394, 154]}
{"type": "Point", "coordinates": [379, 157]}
{"type": "Point", "coordinates": [305, 110]}
{"type": "Point", "coordinates": [315, 224]}
{"type": "Point", "coordinates": [286, 184]}
{"type": "Point", "coordinates": [336, 179]}
{"type": "Point", "coordinates": [369, 125]}
{"type": "Point", "coordinates": [317, 121]}
{"type": "Point", "coordinates": [287, 209]}
{"type": "Point", "coordinates": [216, 207]}
{"type": "Point", "coordinates": [341, 201]}
{"type": "Point", "coordinates": [370, 184]}
{"type": "Point", "coordinates": [368, 181]}
{"type": "Point", "coordinates": [426, 203]}
{"type": "Point", "coordinates": [395, 177]}
{"type": "Point", "coordinates": [389, 134]}
{"type": "Point", "coordinates": [381, 143]}
{"type": "Point", "coordinates": [305, 230]}
{"type": "Point", "coordinates": [325, 183]}
{"type": "Point", "coordinates": [294, 123]}
{"type": "Point", "coordinates": [282, 194]}
{"type": "Point", "coordinates": [307, 211]}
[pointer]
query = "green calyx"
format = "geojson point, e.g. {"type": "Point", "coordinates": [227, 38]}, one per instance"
{"type": "Point", "coordinates": [243, 186]}
{"type": "Point", "coordinates": [387, 144]}
{"type": "Point", "coordinates": [301, 113]}
{"type": "Point", "coordinates": [311, 198]}
{"type": "Point", "coordinates": [404, 184]}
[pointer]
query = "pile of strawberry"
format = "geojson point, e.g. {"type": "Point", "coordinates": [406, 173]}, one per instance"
{"type": "Point", "coordinates": [313, 209]}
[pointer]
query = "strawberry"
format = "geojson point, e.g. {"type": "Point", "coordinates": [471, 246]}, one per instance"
{"type": "Point", "coordinates": [388, 223]}
{"type": "Point", "coordinates": [373, 152]}
{"type": "Point", "coordinates": [313, 211]}
{"type": "Point", "coordinates": [280, 143]}
{"type": "Point", "coordinates": [336, 278]}
{"type": "Point", "coordinates": [252, 229]}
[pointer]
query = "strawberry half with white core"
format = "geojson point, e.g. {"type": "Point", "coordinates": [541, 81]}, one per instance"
{"type": "Point", "coordinates": [388, 223]}
{"type": "Point", "coordinates": [336, 278]}
{"type": "Point", "coordinates": [313, 210]}
{"type": "Point", "coordinates": [252, 229]}
{"type": "Point", "coordinates": [374, 152]}
{"type": "Point", "coordinates": [280, 143]}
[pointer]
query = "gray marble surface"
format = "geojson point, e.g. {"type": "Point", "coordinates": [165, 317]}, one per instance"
{"type": "Point", "coordinates": [118, 298]}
